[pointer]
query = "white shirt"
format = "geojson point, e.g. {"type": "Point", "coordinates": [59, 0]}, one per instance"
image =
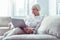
{"type": "Point", "coordinates": [34, 21]}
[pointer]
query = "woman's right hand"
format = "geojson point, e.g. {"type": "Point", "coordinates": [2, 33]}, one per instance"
{"type": "Point", "coordinates": [28, 30]}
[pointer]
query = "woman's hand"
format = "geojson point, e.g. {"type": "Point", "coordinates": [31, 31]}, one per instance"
{"type": "Point", "coordinates": [28, 30]}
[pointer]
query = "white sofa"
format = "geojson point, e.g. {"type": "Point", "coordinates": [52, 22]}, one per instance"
{"type": "Point", "coordinates": [49, 30]}
{"type": "Point", "coordinates": [4, 25]}
{"type": "Point", "coordinates": [32, 37]}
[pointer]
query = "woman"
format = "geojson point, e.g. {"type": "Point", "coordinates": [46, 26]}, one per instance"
{"type": "Point", "coordinates": [32, 24]}
{"type": "Point", "coordinates": [35, 21]}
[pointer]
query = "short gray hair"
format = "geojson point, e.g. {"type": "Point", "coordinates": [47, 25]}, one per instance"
{"type": "Point", "coordinates": [36, 6]}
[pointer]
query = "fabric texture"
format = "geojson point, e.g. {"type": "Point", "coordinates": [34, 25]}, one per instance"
{"type": "Point", "coordinates": [34, 22]}
{"type": "Point", "coordinates": [50, 25]}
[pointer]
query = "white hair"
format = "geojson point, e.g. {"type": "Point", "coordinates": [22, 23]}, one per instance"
{"type": "Point", "coordinates": [36, 6]}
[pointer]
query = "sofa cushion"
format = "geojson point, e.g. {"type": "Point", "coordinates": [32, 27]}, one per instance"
{"type": "Point", "coordinates": [31, 37]}
{"type": "Point", "coordinates": [4, 21]}
{"type": "Point", "coordinates": [50, 25]}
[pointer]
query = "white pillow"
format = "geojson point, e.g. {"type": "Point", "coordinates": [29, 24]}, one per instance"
{"type": "Point", "coordinates": [50, 25]}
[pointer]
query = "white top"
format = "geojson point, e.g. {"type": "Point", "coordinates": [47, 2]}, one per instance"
{"type": "Point", "coordinates": [34, 21]}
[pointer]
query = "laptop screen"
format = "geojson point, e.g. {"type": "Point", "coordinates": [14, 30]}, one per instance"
{"type": "Point", "coordinates": [18, 23]}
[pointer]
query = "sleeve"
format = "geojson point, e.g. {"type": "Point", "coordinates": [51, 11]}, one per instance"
{"type": "Point", "coordinates": [28, 22]}
{"type": "Point", "coordinates": [38, 25]}
{"type": "Point", "coordinates": [41, 19]}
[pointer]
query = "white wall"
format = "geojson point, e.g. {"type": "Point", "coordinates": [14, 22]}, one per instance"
{"type": "Point", "coordinates": [44, 4]}
{"type": "Point", "coordinates": [57, 1]}
{"type": "Point", "coordinates": [52, 7]}
{"type": "Point", "coordinates": [48, 7]}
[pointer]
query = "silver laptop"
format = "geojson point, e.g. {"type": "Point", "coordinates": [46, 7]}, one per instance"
{"type": "Point", "coordinates": [18, 23]}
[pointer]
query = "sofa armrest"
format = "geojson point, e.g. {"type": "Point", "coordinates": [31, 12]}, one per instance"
{"type": "Point", "coordinates": [31, 37]}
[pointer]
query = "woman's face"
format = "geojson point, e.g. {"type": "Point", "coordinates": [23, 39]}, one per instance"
{"type": "Point", "coordinates": [35, 11]}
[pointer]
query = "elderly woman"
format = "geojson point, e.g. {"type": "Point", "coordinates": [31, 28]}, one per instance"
{"type": "Point", "coordinates": [35, 21]}
{"type": "Point", "coordinates": [32, 24]}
